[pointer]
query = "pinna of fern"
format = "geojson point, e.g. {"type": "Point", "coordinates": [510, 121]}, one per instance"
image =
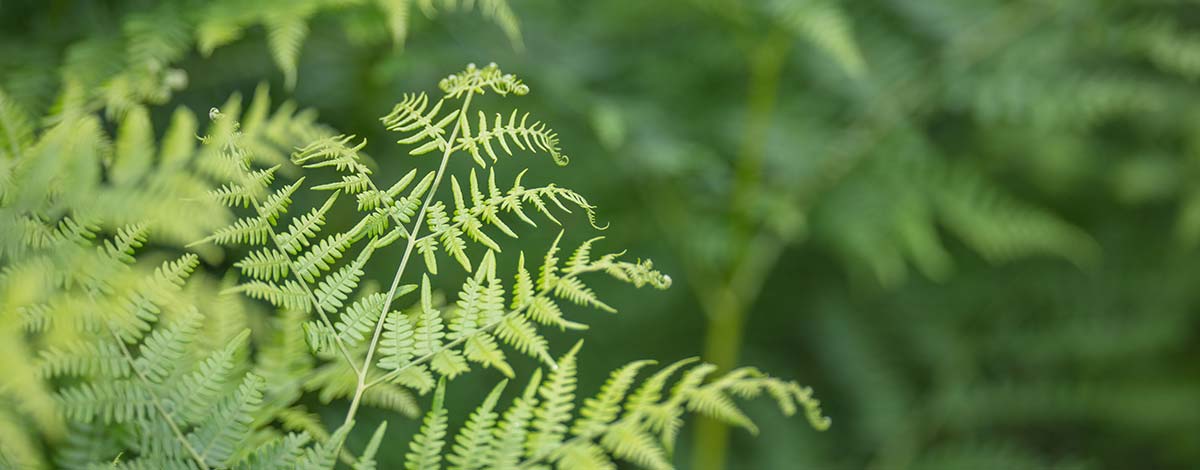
{"type": "Point", "coordinates": [638, 424]}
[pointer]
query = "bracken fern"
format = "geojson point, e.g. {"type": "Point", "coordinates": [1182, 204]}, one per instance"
{"type": "Point", "coordinates": [145, 361]}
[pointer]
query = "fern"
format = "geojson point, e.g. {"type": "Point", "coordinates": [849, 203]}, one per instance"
{"type": "Point", "coordinates": [302, 269]}
{"type": "Point", "coordinates": [180, 366]}
{"type": "Point", "coordinates": [426, 447]}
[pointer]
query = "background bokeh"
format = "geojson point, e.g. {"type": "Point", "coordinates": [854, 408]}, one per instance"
{"type": "Point", "coordinates": [970, 225]}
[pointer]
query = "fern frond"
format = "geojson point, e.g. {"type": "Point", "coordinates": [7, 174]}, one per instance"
{"type": "Point", "coordinates": [305, 227]}
{"type": "Point", "coordinates": [394, 398]}
{"type": "Point", "coordinates": [481, 300]}
{"type": "Point", "coordinates": [324, 455]}
{"type": "Point", "coordinates": [478, 81]}
{"type": "Point", "coordinates": [251, 186]}
{"type": "Point", "coordinates": [133, 313]}
{"type": "Point", "coordinates": [218, 436]}
{"type": "Point", "coordinates": [367, 460]}
{"type": "Point", "coordinates": [511, 433]}
{"type": "Point", "coordinates": [163, 350]}
{"type": "Point", "coordinates": [334, 288]}
{"type": "Point", "coordinates": [266, 264]}
{"type": "Point", "coordinates": [277, 202]}
{"type": "Point", "coordinates": [121, 247]}
{"type": "Point", "coordinates": [484, 210]}
{"type": "Point", "coordinates": [517, 332]}
{"type": "Point", "coordinates": [409, 117]}
{"type": "Point", "coordinates": [533, 433]}
{"type": "Point", "coordinates": [396, 348]}
{"type": "Point", "coordinates": [297, 418]}
{"type": "Point", "coordinates": [473, 445]}
{"type": "Point", "coordinates": [134, 151]}
{"type": "Point", "coordinates": [321, 256]}
{"type": "Point", "coordinates": [429, 329]}
{"type": "Point", "coordinates": [523, 134]}
{"type": "Point", "coordinates": [826, 25]}
{"type": "Point", "coordinates": [285, 35]}
{"type": "Point", "coordinates": [558, 399]}
{"type": "Point", "coordinates": [112, 402]}
{"type": "Point", "coordinates": [16, 129]}
{"type": "Point", "coordinates": [629, 441]}
{"type": "Point", "coordinates": [95, 359]}
{"type": "Point", "coordinates": [360, 317]}
{"type": "Point", "coordinates": [279, 454]}
{"type": "Point", "coordinates": [599, 411]}
{"type": "Point", "coordinates": [397, 12]}
{"type": "Point", "coordinates": [245, 231]}
{"type": "Point", "coordinates": [332, 151]}
{"type": "Point", "coordinates": [291, 295]}
{"type": "Point", "coordinates": [426, 447]}
{"type": "Point", "coordinates": [197, 392]}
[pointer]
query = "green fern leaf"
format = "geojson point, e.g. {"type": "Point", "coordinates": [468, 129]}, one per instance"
{"type": "Point", "coordinates": [396, 348]}
{"type": "Point", "coordinates": [599, 411]}
{"type": "Point", "coordinates": [267, 264]}
{"type": "Point", "coordinates": [551, 417]}
{"type": "Point", "coordinates": [510, 435]}
{"type": "Point", "coordinates": [322, 255]}
{"type": "Point", "coordinates": [279, 454]}
{"type": "Point", "coordinates": [524, 135]}
{"type": "Point", "coordinates": [391, 397]}
{"type": "Point", "coordinates": [291, 295]}
{"type": "Point", "coordinates": [134, 150]}
{"type": "Point", "coordinates": [335, 288]}
{"type": "Point", "coordinates": [285, 35]}
{"type": "Point", "coordinates": [426, 448]}
{"type": "Point", "coordinates": [517, 332]}
{"type": "Point", "coordinates": [198, 392]}
{"type": "Point", "coordinates": [429, 329]}
{"type": "Point", "coordinates": [584, 455]}
{"type": "Point", "coordinates": [367, 460]}
{"type": "Point", "coordinates": [305, 227]}
{"type": "Point", "coordinates": [217, 437]}
{"type": "Point", "coordinates": [628, 441]}
{"type": "Point", "coordinates": [98, 359]}
{"type": "Point", "coordinates": [112, 402]}
{"type": "Point", "coordinates": [164, 349]}
{"type": "Point", "coordinates": [473, 445]}
{"type": "Point", "coordinates": [323, 456]}
{"type": "Point", "coordinates": [409, 116]}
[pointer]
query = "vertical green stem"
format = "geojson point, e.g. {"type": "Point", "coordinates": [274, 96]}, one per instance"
{"type": "Point", "coordinates": [363, 384]}
{"type": "Point", "coordinates": [726, 319]}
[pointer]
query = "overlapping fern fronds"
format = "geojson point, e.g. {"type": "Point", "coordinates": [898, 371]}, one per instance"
{"type": "Point", "coordinates": [635, 423]}
{"type": "Point", "coordinates": [139, 63]}
{"type": "Point", "coordinates": [370, 348]}
{"type": "Point", "coordinates": [164, 376]}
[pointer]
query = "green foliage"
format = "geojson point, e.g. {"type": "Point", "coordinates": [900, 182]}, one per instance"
{"type": "Point", "coordinates": [122, 360]}
{"type": "Point", "coordinates": [978, 145]}
{"type": "Point", "coordinates": [639, 427]}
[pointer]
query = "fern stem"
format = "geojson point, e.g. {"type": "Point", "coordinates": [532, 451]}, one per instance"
{"type": "Point", "coordinates": [158, 404]}
{"type": "Point", "coordinates": [727, 314]}
{"type": "Point", "coordinates": [408, 249]}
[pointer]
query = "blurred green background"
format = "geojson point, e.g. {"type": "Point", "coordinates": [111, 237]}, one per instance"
{"type": "Point", "coordinates": [970, 225]}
